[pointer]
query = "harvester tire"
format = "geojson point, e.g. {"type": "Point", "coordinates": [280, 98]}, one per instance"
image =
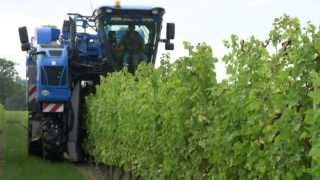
{"type": "Point", "coordinates": [34, 147]}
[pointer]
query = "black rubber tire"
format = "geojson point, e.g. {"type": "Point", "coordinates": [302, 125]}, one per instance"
{"type": "Point", "coordinates": [51, 153]}
{"type": "Point", "coordinates": [52, 148]}
{"type": "Point", "coordinates": [34, 147]}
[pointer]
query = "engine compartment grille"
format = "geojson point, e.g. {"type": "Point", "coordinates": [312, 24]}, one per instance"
{"type": "Point", "coordinates": [53, 75]}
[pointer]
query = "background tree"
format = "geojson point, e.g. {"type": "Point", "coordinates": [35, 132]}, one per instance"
{"type": "Point", "coordinates": [12, 87]}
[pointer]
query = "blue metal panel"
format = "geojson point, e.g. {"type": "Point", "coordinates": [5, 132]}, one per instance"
{"type": "Point", "coordinates": [88, 45]}
{"type": "Point", "coordinates": [48, 60]}
{"type": "Point", "coordinates": [52, 93]}
{"type": "Point", "coordinates": [55, 94]}
{"type": "Point", "coordinates": [46, 35]}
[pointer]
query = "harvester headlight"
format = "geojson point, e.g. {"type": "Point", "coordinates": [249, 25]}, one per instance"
{"type": "Point", "coordinates": [155, 12]}
{"type": "Point", "coordinates": [108, 10]}
{"type": "Point", "coordinates": [45, 93]}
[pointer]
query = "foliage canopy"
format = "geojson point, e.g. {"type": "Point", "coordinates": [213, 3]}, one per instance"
{"type": "Point", "coordinates": [178, 122]}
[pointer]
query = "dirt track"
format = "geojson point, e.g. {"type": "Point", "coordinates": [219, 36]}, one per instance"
{"type": "Point", "coordinates": [93, 172]}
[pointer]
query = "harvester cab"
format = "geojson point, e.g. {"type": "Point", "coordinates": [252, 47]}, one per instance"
{"type": "Point", "coordinates": [106, 37]}
{"type": "Point", "coordinates": [126, 32]}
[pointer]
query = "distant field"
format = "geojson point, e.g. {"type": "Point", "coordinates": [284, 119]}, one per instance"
{"type": "Point", "coordinates": [15, 163]}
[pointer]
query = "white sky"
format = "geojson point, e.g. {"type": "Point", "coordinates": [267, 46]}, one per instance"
{"type": "Point", "coordinates": [208, 21]}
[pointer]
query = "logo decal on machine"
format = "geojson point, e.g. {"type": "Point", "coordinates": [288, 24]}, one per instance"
{"type": "Point", "coordinates": [52, 107]}
{"type": "Point", "coordinates": [32, 93]}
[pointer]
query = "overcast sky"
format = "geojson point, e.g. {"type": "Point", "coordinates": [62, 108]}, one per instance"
{"type": "Point", "coordinates": [208, 21]}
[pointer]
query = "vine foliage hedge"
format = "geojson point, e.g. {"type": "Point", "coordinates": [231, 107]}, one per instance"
{"type": "Point", "coordinates": [178, 122]}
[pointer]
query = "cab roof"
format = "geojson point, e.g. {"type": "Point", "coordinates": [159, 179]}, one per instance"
{"type": "Point", "coordinates": [147, 8]}
{"type": "Point", "coordinates": [129, 9]}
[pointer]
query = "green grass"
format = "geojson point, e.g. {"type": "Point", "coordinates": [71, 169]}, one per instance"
{"type": "Point", "coordinates": [2, 112]}
{"type": "Point", "coordinates": [19, 166]}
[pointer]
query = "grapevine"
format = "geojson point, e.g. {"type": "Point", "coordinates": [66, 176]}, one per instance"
{"type": "Point", "coordinates": [179, 122]}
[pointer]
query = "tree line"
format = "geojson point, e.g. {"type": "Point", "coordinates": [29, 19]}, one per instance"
{"type": "Point", "coordinates": [12, 87]}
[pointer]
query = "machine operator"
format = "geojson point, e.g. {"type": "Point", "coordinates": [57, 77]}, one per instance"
{"type": "Point", "coordinates": [132, 44]}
